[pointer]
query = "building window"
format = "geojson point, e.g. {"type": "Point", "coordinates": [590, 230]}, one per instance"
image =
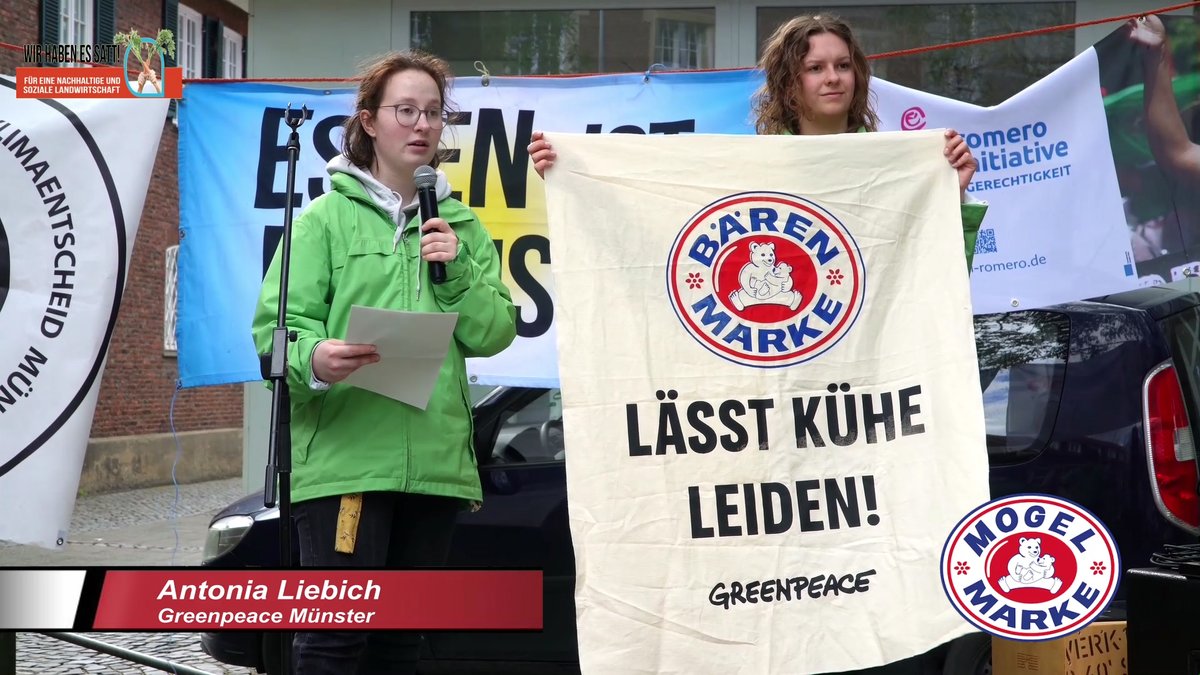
{"type": "Point", "coordinates": [76, 22]}
{"type": "Point", "coordinates": [986, 74]}
{"type": "Point", "coordinates": [683, 45]}
{"type": "Point", "coordinates": [231, 54]}
{"type": "Point", "coordinates": [553, 42]}
{"type": "Point", "coordinates": [171, 299]}
{"type": "Point", "coordinates": [75, 25]}
{"type": "Point", "coordinates": [188, 42]}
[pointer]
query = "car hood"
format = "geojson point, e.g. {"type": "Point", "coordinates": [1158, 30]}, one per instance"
{"type": "Point", "coordinates": [250, 505]}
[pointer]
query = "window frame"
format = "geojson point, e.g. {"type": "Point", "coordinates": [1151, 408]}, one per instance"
{"type": "Point", "coordinates": [682, 48]}
{"type": "Point", "coordinates": [231, 53]}
{"type": "Point", "coordinates": [87, 26]}
{"type": "Point", "coordinates": [402, 17]}
{"type": "Point", "coordinates": [190, 63]}
{"type": "Point", "coordinates": [655, 12]}
{"type": "Point", "coordinates": [735, 41]}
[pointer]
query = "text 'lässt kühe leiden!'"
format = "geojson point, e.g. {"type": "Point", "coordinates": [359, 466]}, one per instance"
{"type": "Point", "coordinates": [827, 422]}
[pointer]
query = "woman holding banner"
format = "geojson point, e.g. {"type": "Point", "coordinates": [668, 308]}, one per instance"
{"type": "Point", "coordinates": [378, 483]}
{"type": "Point", "coordinates": [816, 82]}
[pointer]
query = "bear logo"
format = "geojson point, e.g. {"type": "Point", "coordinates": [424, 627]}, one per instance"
{"type": "Point", "coordinates": [765, 279]}
{"type": "Point", "coordinates": [1030, 569]}
{"type": "Point", "coordinates": [763, 282]}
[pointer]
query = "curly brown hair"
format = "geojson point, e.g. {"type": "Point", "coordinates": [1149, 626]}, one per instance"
{"type": "Point", "coordinates": [778, 104]}
{"type": "Point", "coordinates": [357, 144]}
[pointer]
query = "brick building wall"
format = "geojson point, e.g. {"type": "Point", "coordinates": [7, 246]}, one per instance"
{"type": "Point", "coordinates": [139, 379]}
{"type": "Point", "coordinates": [18, 26]}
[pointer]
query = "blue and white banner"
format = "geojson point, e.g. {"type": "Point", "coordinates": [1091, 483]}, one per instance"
{"type": "Point", "coordinates": [1056, 229]}
{"type": "Point", "coordinates": [233, 169]}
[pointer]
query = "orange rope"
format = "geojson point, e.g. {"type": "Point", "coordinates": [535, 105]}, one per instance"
{"type": "Point", "coordinates": [884, 55]}
{"type": "Point", "coordinates": [1027, 33]}
{"type": "Point", "coordinates": [221, 80]}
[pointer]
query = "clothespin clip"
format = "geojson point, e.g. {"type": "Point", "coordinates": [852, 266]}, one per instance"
{"type": "Point", "coordinates": [485, 77]}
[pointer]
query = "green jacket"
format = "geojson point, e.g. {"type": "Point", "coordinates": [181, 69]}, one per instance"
{"type": "Point", "coordinates": [346, 439]}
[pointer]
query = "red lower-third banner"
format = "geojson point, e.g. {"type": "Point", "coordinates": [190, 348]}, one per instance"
{"type": "Point", "coordinates": [309, 599]}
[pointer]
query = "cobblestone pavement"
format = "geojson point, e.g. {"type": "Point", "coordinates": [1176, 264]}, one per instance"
{"type": "Point", "coordinates": [39, 654]}
{"type": "Point", "coordinates": [140, 527]}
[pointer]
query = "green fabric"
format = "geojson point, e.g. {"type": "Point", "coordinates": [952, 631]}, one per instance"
{"type": "Point", "coordinates": [971, 215]}
{"type": "Point", "coordinates": [972, 218]}
{"type": "Point", "coordinates": [347, 439]}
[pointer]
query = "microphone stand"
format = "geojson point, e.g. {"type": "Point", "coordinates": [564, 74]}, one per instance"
{"type": "Point", "coordinates": [279, 452]}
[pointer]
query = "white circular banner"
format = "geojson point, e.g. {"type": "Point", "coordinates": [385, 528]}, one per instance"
{"type": "Point", "coordinates": [62, 266]}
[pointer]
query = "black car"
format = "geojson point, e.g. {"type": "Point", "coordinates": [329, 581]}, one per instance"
{"type": "Point", "coordinates": [1090, 401]}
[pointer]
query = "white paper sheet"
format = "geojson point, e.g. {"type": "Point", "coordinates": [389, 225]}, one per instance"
{"type": "Point", "coordinates": [411, 345]}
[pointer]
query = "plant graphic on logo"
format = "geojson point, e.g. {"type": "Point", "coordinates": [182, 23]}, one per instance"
{"type": "Point", "coordinates": [146, 49]}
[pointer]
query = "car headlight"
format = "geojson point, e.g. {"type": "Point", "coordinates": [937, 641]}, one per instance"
{"type": "Point", "coordinates": [224, 534]}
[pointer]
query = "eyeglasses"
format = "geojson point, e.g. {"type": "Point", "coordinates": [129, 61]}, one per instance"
{"type": "Point", "coordinates": [407, 115]}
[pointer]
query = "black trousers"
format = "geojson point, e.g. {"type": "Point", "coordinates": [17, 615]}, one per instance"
{"type": "Point", "coordinates": [395, 530]}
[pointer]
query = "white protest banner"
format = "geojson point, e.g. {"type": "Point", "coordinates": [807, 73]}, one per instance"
{"type": "Point", "coordinates": [75, 174]}
{"type": "Point", "coordinates": [1055, 229]}
{"type": "Point", "coordinates": [771, 397]}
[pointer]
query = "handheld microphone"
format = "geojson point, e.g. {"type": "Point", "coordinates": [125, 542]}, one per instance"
{"type": "Point", "coordinates": [425, 178]}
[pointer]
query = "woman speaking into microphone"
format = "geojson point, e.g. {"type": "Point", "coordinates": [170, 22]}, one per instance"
{"type": "Point", "coordinates": [403, 471]}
